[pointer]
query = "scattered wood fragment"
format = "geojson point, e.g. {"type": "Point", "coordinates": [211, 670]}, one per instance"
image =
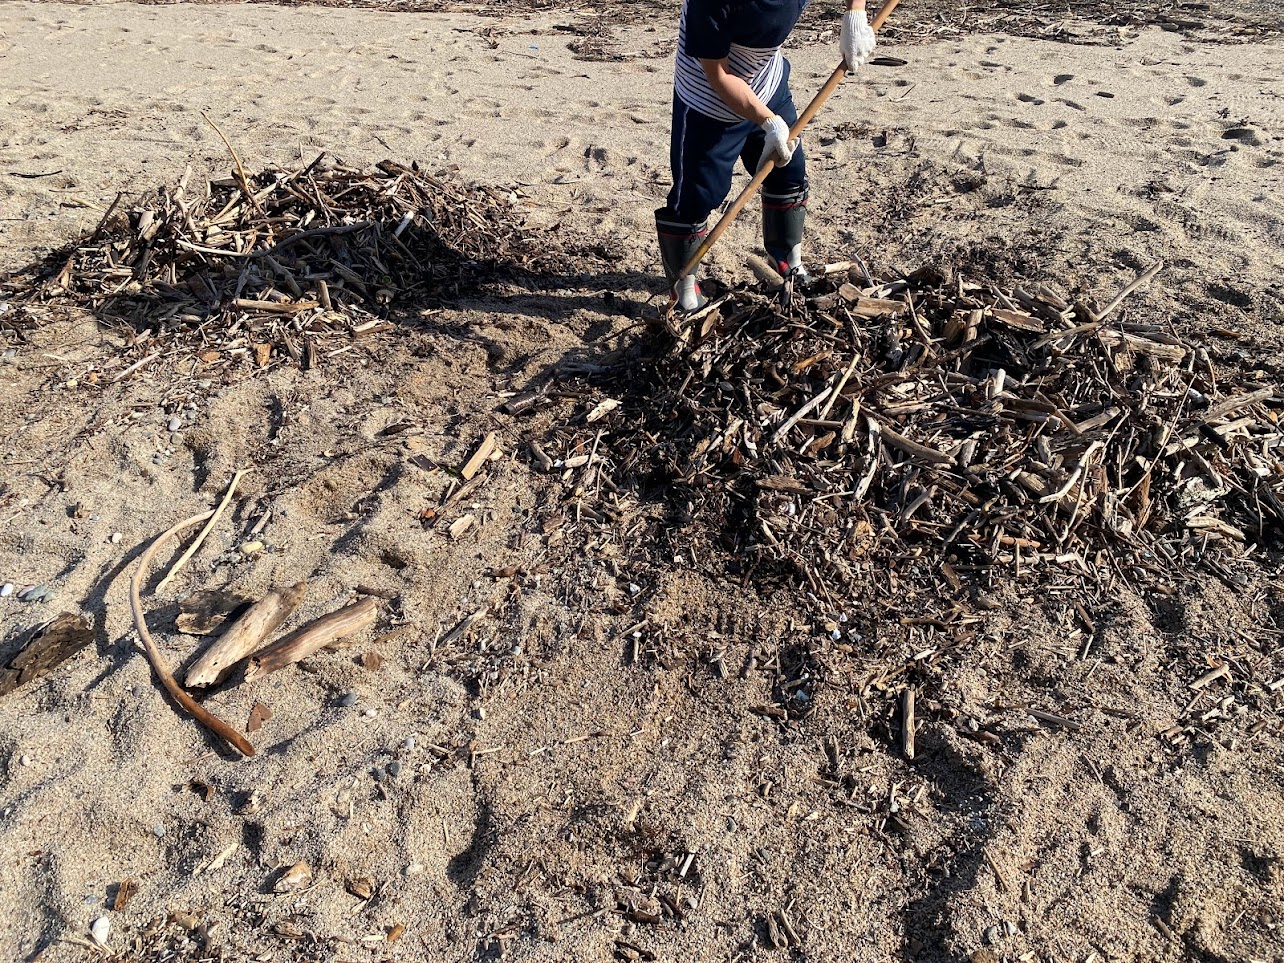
{"type": "Point", "coordinates": [126, 890]}
{"type": "Point", "coordinates": [1053, 719]}
{"type": "Point", "coordinates": [479, 456]}
{"type": "Point", "coordinates": [246, 636]}
{"type": "Point", "coordinates": [462, 629]}
{"type": "Point", "coordinates": [907, 722]}
{"type": "Point", "coordinates": [45, 649]}
{"type": "Point", "coordinates": [302, 642]}
{"type": "Point", "coordinates": [259, 714]}
{"type": "Point", "coordinates": [1212, 675]}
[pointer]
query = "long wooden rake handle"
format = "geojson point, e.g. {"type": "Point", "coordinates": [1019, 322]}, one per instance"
{"type": "Point", "coordinates": [805, 118]}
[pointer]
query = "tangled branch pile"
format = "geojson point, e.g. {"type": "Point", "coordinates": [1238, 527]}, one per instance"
{"type": "Point", "coordinates": [286, 253]}
{"type": "Point", "coordinates": [929, 433]}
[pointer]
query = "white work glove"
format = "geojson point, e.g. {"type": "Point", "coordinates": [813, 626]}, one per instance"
{"type": "Point", "coordinates": [857, 40]}
{"type": "Point", "coordinates": [777, 147]}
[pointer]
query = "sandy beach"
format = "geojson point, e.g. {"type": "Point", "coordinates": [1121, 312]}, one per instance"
{"type": "Point", "coordinates": [527, 788]}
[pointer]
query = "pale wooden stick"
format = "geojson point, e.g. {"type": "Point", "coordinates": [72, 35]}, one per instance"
{"type": "Point", "coordinates": [246, 636]}
{"type": "Point", "coordinates": [907, 723]}
{"type": "Point", "coordinates": [1122, 295]}
{"type": "Point", "coordinates": [159, 666]}
{"type": "Point", "coordinates": [302, 642]}
{"type": "Point", "coordinates": [842, 383]}
{"type": "Point", "coordinates": [1099, 318]}
{"type": "Point", "coordinates": [240, 168]}
{"type": "Point", "coordinates": [192, 549]}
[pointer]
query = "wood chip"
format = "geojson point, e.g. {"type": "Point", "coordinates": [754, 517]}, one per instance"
{"type": "Point", "coordinates": [479, 456]}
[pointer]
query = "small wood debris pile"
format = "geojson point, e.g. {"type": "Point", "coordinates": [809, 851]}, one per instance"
{"type": "Point", "coordinates": [942, 432]}
{"type": "Point", "coordinates": [265, 261]}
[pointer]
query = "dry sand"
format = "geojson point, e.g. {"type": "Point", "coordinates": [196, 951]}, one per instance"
{"type": "Point", "coordinates": [1083, 163]}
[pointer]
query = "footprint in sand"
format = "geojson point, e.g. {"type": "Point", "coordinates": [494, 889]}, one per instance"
{"type": "Point", "coordinates": [1060, 79]}
{"type": "Point", "coordinates": [1071, 104]}
{"type": "Point", "coordinates": [557, 145]}
{"type": "Point", "coordinates": [1196, 81]}
{"type": "Point", "coordinates": [597, 158]}
{"type": "Point", "coordinates": [1245, 135]}
{"type": "Point", "coordinates": [1029, 99]}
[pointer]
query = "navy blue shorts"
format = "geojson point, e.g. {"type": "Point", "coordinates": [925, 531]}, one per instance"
{"type": "Point", "coordinates": [703, 154]}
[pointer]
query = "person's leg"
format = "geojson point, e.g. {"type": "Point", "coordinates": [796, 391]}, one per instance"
{"type": "Point", "coordinates": [784, 192]}
{"type": "Point", "coordinates": [702, 153]}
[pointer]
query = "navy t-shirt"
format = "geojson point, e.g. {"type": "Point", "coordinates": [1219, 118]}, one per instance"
{"type": "Point", "coordinates": [748, 33]}
{"type": "Point", "coordinates": [713, 26]}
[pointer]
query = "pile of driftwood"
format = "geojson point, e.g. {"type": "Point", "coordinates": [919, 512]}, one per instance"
{"type": "Point", "coordinates": [263, 264]}
{"type": "Point", "coordinates": [938, 432]}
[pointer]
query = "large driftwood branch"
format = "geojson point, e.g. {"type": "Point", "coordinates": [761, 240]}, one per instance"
{"type": "Point", "coordinates": [246, 636]}
{"type": "Point", "coordinates": [302, 642]}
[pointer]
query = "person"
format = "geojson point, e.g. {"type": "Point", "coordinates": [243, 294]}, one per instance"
{"type": "Point", "coordinates": [731, 100]}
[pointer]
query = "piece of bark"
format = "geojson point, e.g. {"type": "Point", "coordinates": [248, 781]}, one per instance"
{"type": "Point", "coordinates": [125, 891]}
{"type": "Point", "coordinates": [48, 647]}
{"type": "Point", "coordinates": [258, 715]}
{"type": "Point", "coordinates": [204, 611]}
{"type": "Point", "coordinates": [302, 642]}
{"type": "Point", "coordinates": [246, 636]}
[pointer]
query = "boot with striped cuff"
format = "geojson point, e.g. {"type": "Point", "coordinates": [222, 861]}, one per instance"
{"type": "Point", "coordinates": [783, 216]}
{"type": "Point", "coordinates": [678, 242]}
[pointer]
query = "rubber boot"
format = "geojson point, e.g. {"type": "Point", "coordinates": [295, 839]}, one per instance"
{"type": "Point", "coordinates": [783, 216]}
{"type": "Point", "coordinates": [678, 242]}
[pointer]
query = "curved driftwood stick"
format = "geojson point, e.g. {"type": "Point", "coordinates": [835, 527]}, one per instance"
{"type": "Point", "coordinates": [191, 549]}
{"type": "Point", "coordinates": [302, 642]}
{"type": "Point", "coordinates": [159, 666]}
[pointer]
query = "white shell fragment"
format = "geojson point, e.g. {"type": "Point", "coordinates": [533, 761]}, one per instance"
{"type": "Point", "coordinates": [100, 929]}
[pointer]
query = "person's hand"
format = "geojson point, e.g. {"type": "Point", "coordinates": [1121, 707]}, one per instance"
{"type": "Point", "coordinates": [777, 148]}
{"type": "Point", "coordinates": [857, 40]}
